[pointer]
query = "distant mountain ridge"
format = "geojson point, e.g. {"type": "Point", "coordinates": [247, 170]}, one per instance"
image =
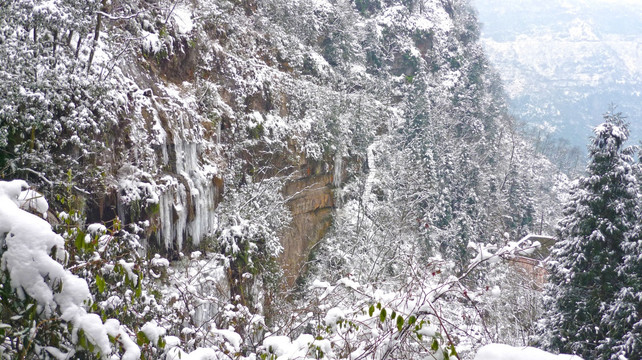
{"type": "Point", "coordinates": [563, 63]}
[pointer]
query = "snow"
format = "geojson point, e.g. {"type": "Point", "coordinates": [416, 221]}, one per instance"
{"type": "Point", "coordinates": [348, 283]}
{"type": "Point", "coordinates": [423, 24]}
{"type": "Point", "coordinates": [96, 229]}
{"type": "Point", "coordinates": [320, 284]}
{"type": "Point", "coordinates": [151, 42]}
{"type": "Point", "coordinates": [428, 330]}
{"type": "Point", "coordinates": [31, 200]}
{"type": "Point", "coordinates": [334, 315]}
{"type": "Point", "coordinates": [581, 31]}
{"type": "Point", "coordinates": [232, 337]}
{"type": "Point", "coordinates": [322, 5]}
{"type": "Point", "coordinates": [57, 354]}
{"type": "Point", "coordinates": [93, 327]}
{"type": "Point", "coordinates": [172, 341]}
{"type": "Point", "coordinates": [184, 211]}
{"type": "Point", "coordinates": [525, 246]}
{"type": "Point", "coordinates": [159, 261]}
{"type": "Point", "coordinates": [132, 351]}
{"type": "Point", "coordinates": [320, 63]}
{"type": "Point", "coordinates": [29, 240]}
{"type": "Point", "coordinates": [153, 331]}
{"type": "Point", "coordinates": [183, 19]}
{"type": "Point", "coordinates": [284, 348]}
{"type": "Point", "coordinates": [507, 352]}
{"type": "Point", "coordinates": [199, 354]}
{"type": "Point", "coordinates": [484, 254]}
{"type": "Point", "coordinates": [128, 267]}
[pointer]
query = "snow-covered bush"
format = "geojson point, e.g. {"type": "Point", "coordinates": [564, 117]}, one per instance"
{"type": "Point", "coordinates": [45, 308]}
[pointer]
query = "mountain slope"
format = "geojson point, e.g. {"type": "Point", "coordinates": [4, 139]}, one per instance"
{"type": "Point", "coordinates": [315, 158]}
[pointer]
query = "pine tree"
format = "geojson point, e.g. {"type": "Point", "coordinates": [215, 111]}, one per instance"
{"type": "Point", "coordinates": [587, 273]}
{"type": "Point", "coordinates": [623, 316]}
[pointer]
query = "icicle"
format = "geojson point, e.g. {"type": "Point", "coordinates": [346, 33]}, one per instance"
{"type": "Point", "coordinates": [203, 198]}
{"type": "Point", "coordinates": [166, 219]}
{"type": "Point", "coordinates": [173, 215]}
{"type": "Point", "coordinates": [120, 209]}
{"type": "Point", "coordinates": [218, 132]}
{"type": "Point", "coordinates": [174, 210]}
{"type": "Point", "coordinates": [372, 173]}
{"type": "Point", "coordinates": [338, 169]}
{"type": "Point", "coordinates": [180, 207]}
{"type": "Point", "coordinates": [165, 155]}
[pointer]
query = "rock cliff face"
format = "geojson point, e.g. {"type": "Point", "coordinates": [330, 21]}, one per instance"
{"type": "Point", "coordinates": [311, 201]}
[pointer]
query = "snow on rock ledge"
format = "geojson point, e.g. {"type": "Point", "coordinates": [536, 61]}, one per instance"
{"type": "Point", "coordinates": [507, 352]}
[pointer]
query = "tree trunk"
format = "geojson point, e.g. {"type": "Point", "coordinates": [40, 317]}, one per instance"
{"type": "Point", "coordinates": [99, 21]}
{"type": "Point", "coordinates": [78, 45]}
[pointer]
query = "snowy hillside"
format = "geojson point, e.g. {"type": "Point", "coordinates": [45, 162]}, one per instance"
{"type": "Point", "coordinates": [273, 179]}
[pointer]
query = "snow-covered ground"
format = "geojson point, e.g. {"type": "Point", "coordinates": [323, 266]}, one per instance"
{"type": "Point", "coordinates": [507, 352]}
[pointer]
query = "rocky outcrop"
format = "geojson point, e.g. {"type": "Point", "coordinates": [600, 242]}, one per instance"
{"type": "Point", "coordinates": [311, 201]}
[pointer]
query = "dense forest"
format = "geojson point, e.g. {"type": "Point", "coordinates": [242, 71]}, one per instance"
{"type": "Point", "coordinates": [294, 179]}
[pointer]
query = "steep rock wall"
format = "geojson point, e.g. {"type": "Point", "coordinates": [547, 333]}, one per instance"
{"type": "Point", "coordinates": [311, 201]}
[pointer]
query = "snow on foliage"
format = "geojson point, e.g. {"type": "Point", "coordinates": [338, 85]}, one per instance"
{"type": "Point", "coordinates": [34, 274]}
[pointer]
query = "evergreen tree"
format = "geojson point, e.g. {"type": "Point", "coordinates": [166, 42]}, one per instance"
{"type": "Point", "coordinates": [587, 275]}
{"type": "Point", "coordinates": [623, 316]}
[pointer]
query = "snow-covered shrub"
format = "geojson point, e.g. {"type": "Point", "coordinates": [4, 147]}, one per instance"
{"type": "Point", "coordinates": [250, 222]}
{"type": "Point", "coordinates": [45, 308]}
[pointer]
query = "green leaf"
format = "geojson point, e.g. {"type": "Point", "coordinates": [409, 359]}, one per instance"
{"type": "Point", "coordinates": [139, 289]}
{"type": "Point", "coordinates": [371, 310]}
{"type": "Point", "coordinates": [100, 283]}
{"type": "Point", "coordinates": [453, 352]}
{"type": "Point", "coordinates": [412, 319]}
{"type": "Point", "coordinates": [400, 323]}
{"type": "Point", "coordinates": [82, 340]}
{"type": "Point", "coordinates": [80, 241]}
{"type": "Point", "coordinates": [141, 338]}
{"type": "Point", "coordinates": [393, 315]}
{"type": "Point", "coordinates": [382, 315]}
{"type": "Point", "coordinates": [435, 345]}
{"type": "Point", "coordinates": [379, 306]}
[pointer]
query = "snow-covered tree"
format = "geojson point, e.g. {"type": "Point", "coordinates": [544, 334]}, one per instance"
{"type": "Point", "coordinates": [590, 284]}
